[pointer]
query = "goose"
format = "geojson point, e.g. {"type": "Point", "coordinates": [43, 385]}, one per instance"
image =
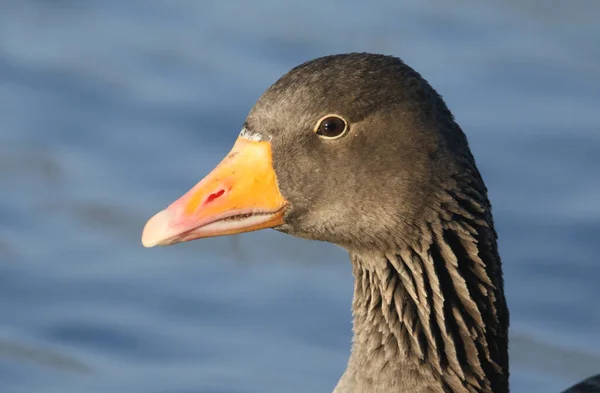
{"type": "Point", "coordinates": [359, 150]}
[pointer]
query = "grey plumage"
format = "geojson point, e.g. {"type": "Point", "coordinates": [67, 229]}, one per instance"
{"type": "Point", "coordinates": [429, 307]}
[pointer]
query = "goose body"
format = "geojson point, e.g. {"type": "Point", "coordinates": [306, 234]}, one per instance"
{"type": "Point", "coordinates": [359, 150]}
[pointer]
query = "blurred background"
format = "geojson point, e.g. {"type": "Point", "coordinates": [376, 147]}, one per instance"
{"type": "Point", "coordinates": [110, 109]}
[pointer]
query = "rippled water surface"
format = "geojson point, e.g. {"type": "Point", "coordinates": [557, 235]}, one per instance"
{"type": "Point", "coordinates": [110, 109]}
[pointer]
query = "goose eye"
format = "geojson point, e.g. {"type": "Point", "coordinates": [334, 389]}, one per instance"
{"type": "Point", "coordinates": [331, 127]}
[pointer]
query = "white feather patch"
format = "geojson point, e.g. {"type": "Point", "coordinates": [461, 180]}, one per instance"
{"type": "Point", "coordinates": [250, 135]}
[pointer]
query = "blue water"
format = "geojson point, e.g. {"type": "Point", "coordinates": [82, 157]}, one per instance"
{"type": "Point", "coordinates": [110, 109]}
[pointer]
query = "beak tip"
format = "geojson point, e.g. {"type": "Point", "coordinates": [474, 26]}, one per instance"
{"type": "Point", "coordinates": [146, 243]}
{"type": "Point", "coordinates": [155, 231]}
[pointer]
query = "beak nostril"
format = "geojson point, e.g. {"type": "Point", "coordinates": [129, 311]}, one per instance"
{"type": "Point", "coordinates": [214, 196]}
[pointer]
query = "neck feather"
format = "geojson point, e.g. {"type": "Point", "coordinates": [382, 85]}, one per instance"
{"type": "Point", "coordinates": [431, 316]}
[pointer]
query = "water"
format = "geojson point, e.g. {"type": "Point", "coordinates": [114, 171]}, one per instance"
{"type": "Point", "coordinates": [111, 109]}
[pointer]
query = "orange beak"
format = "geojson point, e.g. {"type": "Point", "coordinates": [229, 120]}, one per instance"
{"type": "Point", "coordinates": [239, 195]}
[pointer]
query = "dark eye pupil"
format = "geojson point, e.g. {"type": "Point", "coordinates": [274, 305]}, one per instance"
{"type": "Point", "coordinates": [331, 127]}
